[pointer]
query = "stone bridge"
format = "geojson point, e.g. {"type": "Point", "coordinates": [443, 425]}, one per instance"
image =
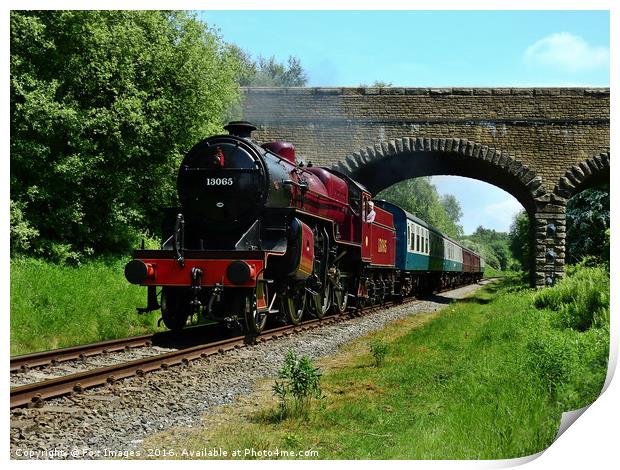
{"type": "Point", "coordinates": [542, 145]}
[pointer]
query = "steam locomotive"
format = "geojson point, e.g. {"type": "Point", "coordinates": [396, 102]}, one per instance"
{"type": "Point", "coordinates": [260, 235]}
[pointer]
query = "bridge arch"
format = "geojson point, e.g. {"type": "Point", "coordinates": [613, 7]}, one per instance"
{"type": "Point", "coordinates": [383, 164]}
{"type": "Point", "coordinates": [588, 173]}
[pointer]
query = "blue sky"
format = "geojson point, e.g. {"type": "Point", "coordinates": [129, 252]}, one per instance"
{"type": "Point", "coordinates": [434, 48]}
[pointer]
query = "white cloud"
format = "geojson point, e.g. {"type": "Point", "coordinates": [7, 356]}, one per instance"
{"type": "Point", "coordinates": [502, 213]}
{"type": "Point", "coordinates": [566, 51]}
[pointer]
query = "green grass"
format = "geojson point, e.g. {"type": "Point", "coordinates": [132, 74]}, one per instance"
{"type": "Point", "coordinates": [486, 378]}
{"type": "Point", "coordinates": [492, 272]}
{"type": "Point", "coordinates": [581, 300]}
{"type": "Point", "coordinates": [55, 306]}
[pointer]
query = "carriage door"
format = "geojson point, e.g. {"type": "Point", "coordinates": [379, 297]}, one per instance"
{"type": "Point", "coordinates": [367, 219]}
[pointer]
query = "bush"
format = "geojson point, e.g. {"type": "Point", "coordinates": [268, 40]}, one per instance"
{"type": "Point", "coordinates": [569, 349]}
{"type": "Point", "coordinates": [379, 350]}
{"type": "Point", "coordinates": [21, 231]}
{"type": "Point", "coordinates": [103, 106]}
{"type": "Point", "coordinates": [301, 383]}
{"type": "Point", "coordinates": [581, 299]}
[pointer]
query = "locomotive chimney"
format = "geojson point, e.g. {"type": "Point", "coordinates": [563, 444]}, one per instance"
{"type": "Point", "coordinates": [240, 128]}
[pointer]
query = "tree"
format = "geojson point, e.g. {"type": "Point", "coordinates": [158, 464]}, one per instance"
{"type": "Point", "coordinates": [103, 106]}
{"type": "Point", "coordinates": [377, 84]}
{"type": "Point", "coordinates": [452, 207]}
{"type": "Point", "coordinates": [420, 197]}
{"type": "Point", "coordinates": [493, 246]}
{"type": "Point", "coordinates": [519, 238]}
{"type": "Point", "coordinates": [267, 71]}
{"type": "Point", "coordinates": [587, 219]}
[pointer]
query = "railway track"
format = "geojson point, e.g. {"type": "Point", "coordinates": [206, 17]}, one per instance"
{"type": "Point", "coordinates": [33, 394]}
{"type": "Point", "coordinates": [56, 356]}
{"type": "Point", "coordinates": [190, 336]}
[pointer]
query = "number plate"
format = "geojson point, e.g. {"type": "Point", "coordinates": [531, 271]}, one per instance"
{"type": "Point", "coordinates": [219, 181]}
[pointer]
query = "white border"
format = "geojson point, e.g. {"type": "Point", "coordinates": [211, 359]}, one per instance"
{"type": "Point", "coordinates": [591, 442]}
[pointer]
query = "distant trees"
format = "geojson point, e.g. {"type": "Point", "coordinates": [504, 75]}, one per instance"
{"type": "Point", "coordinates": [267, 71]}
{"type": "Point", "coordinates": [103, 106]}
{"type": "Point", "coordinates": [520, 239]}
{"type": "Point", "coordinates": [493, 246]}
{"type": "Point", "coordinates": [420, 197]}
{"type": "Point", "coordinates": [377, 84]}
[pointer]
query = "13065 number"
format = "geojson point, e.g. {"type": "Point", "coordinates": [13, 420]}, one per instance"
{"type": "Point", "coordinates": [220, 181]}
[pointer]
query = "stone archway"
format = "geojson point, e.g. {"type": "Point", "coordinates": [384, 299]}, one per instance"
{"type": "Point", "coordinates": [586, 174]}
{"type": "Point", "coordinates": [381, 165]}
{"type": "Point", "coordinates": [551, 213]}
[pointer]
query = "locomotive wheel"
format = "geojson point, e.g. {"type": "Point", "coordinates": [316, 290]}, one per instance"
{"type": "Point", "coordinates": [293, 304]}
{"type": "Point", "coordinates": [174, 308]}
{"type": "Point", "coordinates": [340, 297]}
{"type": "Point", "coordinates": [321, 302]}
{"type": "Point", "coordinates": [255, 321]}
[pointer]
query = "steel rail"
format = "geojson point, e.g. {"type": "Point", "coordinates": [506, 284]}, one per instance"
{"type": "Point", "coordinates": [43, 358]}
{"type": "Point", "coordinates": [34, 393]}
{"type": "Point", "coordinates": [72, 353]}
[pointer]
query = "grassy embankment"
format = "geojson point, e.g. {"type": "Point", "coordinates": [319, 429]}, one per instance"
{"type": "Point", "coordinates": [492, 272]}
{"type": "Point", "coordinates": [54, 306]}
{"type": "Point", "coordinates": [486, 377]}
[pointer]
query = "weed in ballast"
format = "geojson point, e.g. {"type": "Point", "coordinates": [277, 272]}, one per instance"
{"type": "Point", "coordinates": [300, 383]}
{"type": "Point", "coordinates": [379, 350]}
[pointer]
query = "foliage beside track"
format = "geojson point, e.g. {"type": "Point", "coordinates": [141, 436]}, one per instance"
{"type": "Point", "coordinates": [55, 306]}
{"type": "Point", "coordinates": [103, 106]}
{"type": "Point", "coordinates": [485, 378]}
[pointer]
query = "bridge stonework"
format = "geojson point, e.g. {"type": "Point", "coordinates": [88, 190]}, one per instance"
{"type": "Point", "coordinates": [542, 145]}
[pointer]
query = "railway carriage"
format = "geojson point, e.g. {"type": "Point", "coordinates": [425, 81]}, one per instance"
{"type": "Point", "coordinates": [429, 260]}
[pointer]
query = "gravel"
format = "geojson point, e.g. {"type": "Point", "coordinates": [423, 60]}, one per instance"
{"type": "Point", "coordinates": [101, 422]}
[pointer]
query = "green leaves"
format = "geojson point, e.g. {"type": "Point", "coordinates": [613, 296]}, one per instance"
{"type": "Point", "coordinates": [420, 197]}
{"type": "Point", "coordinates": [519, 239]}
{"type": "Point", "coordinates": [378, 349]}
{"type": "Point", "coordinates": [103, 105]}
{"type": "Point", "coordinates": [492, 246]}
{"type": "Point", "coordinates": [301, 382]}
{"type": "Point", "coordinates": [587, 219]}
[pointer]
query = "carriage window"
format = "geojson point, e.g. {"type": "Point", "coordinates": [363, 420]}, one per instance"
{"type": "Point", "coordinates": [417, 239]}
